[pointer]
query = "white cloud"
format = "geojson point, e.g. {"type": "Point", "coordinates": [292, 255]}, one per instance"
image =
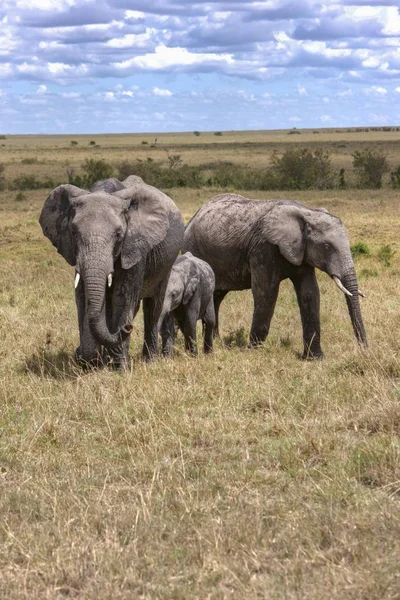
{"type": "Point", "coordinates": [345, 94]}
{"type": "Point", "coordinates": [164, 57]}
{"type": "Point", "coordinates": [312, 55]}
{"type": "Point", "coordinates": [158, 92]}
{"type": "Point", "coordinates": [376, 90]}
{"type": "Point", "coordinates": [131, 40]}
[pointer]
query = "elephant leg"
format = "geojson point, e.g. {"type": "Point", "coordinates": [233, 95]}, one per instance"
{"type": "Point", "coordinates": [123, 302]}
{"type": "Point", "coordinates": [219, 295]}
{"type": "Point", "coordinates": [190, 330]}
{"type": "Point", "coordinates": [179, 316]}
{"type": "Point", "coordinates": [265, 288]}
{"type": "Point", "coordinates": [167, 331]}
{"type": "Point", "coordinates": [208, 327]}
{"type": "Point", "coordinates": [88, 352]}
{"type": "Point", "coordinates": [152, 309]}
{"type": "Point", "coordinates": [307, 292]}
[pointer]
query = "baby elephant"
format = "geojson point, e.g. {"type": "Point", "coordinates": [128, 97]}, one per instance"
{"type": "Point", "coordinates": [189, 297]}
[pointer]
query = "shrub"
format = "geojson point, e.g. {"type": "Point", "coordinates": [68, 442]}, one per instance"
{"type": "Point", "coordinates": [395, 178]}
{"type": "Point", "coordinates": [197, 133]}
{"type": "Point", "coordinates": [386, 254]}
{"type": "Point", "coordinates": [360, 249]}
{"type": "Point", "coordinates": [294, 131]}
{"type": "Point", "coordinates": [96, 169]}
{"type": "Point", "coordinates": [155, 174]}
{"type": "Point", "coordinates": [302, 169]}
{"type": "Point", "coordinates": [218, 133]}
{"type": "Point", "coordinates": [74, 143]}
{"type": "Point", "coordinates": [92, 143]}
{"type": "Point", "coordinates": [342, 181]}
{"type": "Point", "coordinates": [20, 197]}
{"type": "Point", "coordinates": [144, 143]}
{"type": "Point", "coordinates": [174, 160]}
{"type": "Point", "coordinates": [3, 137]}
{"type": "Point", "coordinates": [29, 182]}
{"type": "Point", "coordinates": [370, 167]}
{"type": "Point", "coordinates": [93, 171]}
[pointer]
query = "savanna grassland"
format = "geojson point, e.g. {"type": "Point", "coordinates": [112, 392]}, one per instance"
{"type": "Point", "coordinates": [248, 474]}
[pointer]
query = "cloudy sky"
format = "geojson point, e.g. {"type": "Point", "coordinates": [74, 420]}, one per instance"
{"type": "Point", "coordinates": [95, 66]}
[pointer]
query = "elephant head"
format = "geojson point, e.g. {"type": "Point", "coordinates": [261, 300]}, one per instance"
{"type": "Point", "coordinates": [182, 284]}
{"type": "Point", "coordinates": [92, 230]}
{"type": "Point", "coordinates": [319, 239]}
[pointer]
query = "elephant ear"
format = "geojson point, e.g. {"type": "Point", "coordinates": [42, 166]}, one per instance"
{"type": "Point", "coordinates": [286, 227]}
{"type": "Point", "coordinates": [55, 220]}
{"type": "Point", "coordinates": [190, 287]}
{"type": "Point", "coordinates": [148, 223]}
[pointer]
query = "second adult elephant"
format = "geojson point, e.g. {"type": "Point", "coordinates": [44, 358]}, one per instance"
{"type": "Point", "coordinates": [255, 244]}
{"type": "Point", "coordinates": [122, 238]}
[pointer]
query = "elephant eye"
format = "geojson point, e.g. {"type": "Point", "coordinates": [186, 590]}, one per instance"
{"type": "Point", "coordinates": [327, 248]}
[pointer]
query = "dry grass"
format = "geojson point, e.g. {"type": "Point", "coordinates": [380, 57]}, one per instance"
{"type": "Point", "coordinates": [54, 154]}
{"type": "Point", "coordinates": [247, 474]}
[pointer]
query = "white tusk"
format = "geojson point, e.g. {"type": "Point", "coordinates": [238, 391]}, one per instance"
{"type": "Point", "coordinates": [341, 286]}
{"type": "Point", "coordinates": [109, 280]}
{"type": "Point", "coordinates": [360, 293]}
{"type": "Point", "coordinates": [77, 278]}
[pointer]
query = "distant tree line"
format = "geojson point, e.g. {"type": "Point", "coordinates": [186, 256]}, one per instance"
{"type": "Point", "coordinates": [294, 169]}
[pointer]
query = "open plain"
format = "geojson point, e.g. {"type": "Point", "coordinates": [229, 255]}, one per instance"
{"type": "Point", "coordinates": [245, 474]}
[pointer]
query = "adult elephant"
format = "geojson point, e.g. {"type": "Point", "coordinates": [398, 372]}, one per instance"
{"type": "Point", "coordinates": [122, 238]}
{"type": "Point", "coordinates": [256, 244]}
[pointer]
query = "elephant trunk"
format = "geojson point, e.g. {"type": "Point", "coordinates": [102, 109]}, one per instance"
{"type": "Point", "coordinates": [95, 280]}
{"type": "Point", "coordinates": [349, 281]}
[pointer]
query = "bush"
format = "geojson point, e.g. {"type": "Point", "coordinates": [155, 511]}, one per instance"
{"type": "Point", "coordinates": [197, 133]}
{"type": "Point", "coordinates": [153, 173]}
{"type": "Point", "coordinates": [370, 167]}
{"type": "Point", "coordinates": [29, 182]}
{"type": "Point", "coordinates": [302, 169]}
{"type": "Point", "coordinates": [218, 133]}
{"type": "Point", "coordinates": [94, 170]}
{"type": "Point", "coordinates": [360, 249]}
{"type": "Point", "coordinates": [20, 197]}
{"type": "Point", "coordinates": [395, 178]}
{"type": "Point", "coordinates": [74, 143]}
{"type": "Point", "coordinates": [92, 143]}
{"type": "Point", "coordinates": [294, 132]}
{"type": "Point", "coordinates": [144, 143]}
{"type": "Point", "coordinates": [385, 255]}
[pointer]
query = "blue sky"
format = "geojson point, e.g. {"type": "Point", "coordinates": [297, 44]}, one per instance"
{"type": "Point", "coordinates": [97, 66]}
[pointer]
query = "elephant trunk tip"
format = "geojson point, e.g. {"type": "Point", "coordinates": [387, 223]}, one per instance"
{"type": "Point", "coordinates": [125, 331]}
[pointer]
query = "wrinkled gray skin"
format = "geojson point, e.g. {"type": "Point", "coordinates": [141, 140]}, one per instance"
{"type": "Point", "coordinates": [126, 234]}
{"type": "Point", "coordinates": [255, 244]}
{"type": "Point", "coordinates": [189, 297]}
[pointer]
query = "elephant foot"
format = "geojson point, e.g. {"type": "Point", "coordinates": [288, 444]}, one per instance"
{"type": "Point", "coordinates": [120, 365]}
{"type": "Point", "coordinates": [307, 355]}
{"type": "Point", "coordinates": [89, 363]}
{"type": "Point", "coordinates": [117, 359]}
{"type": "Point", "coordinates": [148, 356]}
